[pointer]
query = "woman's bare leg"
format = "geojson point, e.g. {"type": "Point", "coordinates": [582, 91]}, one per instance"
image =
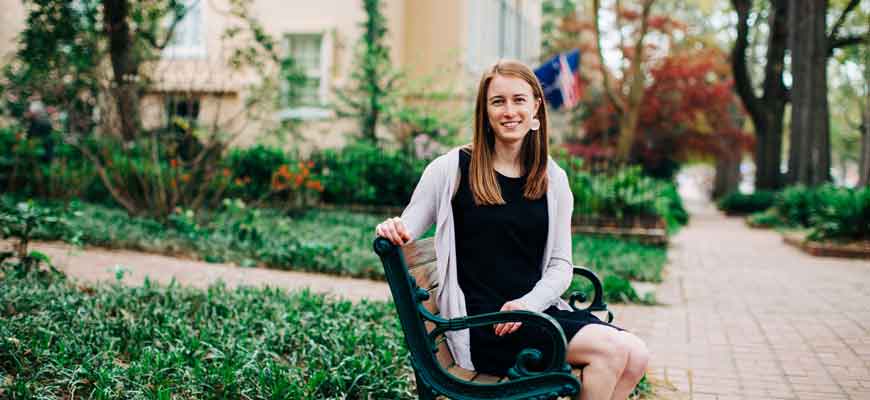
{"type": "Point", "coordinates": [605, 354]}
{"type": "Point", "coordinates": [638, 357]}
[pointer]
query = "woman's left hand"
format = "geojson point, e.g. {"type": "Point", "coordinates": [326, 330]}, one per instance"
{"type": "Point", "coordinates": [510, 327]}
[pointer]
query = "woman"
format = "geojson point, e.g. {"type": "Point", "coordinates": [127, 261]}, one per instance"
{"type": "Point", "coordinates": [502, 210]}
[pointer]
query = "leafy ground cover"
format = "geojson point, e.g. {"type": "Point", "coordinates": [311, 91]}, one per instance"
{"type": "Point", "coordinates": [826, 212]}
{"type": "Point", "coordinates": [616, 261]}
{"type": "Point", "coordinates": [334, 242]}
{"type": "Point", "coordinates": [328, 241]}
{"type": "Point", "coordinates": [62, 340]}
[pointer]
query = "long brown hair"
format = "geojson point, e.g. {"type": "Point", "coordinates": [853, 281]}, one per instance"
{"type": "Point", "coordinates": [534, 150]}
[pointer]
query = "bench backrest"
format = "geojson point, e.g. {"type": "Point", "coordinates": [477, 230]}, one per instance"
{"type": "Point", "coordinates": [418, 261]}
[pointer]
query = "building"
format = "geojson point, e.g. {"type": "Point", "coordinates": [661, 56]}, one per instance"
{"type": "Point", "coordinates": [445, 43]}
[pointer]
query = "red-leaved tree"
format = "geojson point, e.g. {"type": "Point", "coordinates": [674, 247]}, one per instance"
{"type": "Point", "coordinates": [689, 110]}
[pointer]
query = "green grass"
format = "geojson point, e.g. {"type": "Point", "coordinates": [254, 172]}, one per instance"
{"type": "Point", "coordinates": [616, 261]}
{"type": "Point", "coordinates": [334, 242]}
{"type": "Point", "coordinates": [62, 340]}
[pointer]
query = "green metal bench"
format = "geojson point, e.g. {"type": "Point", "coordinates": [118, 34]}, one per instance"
{"type": "Point", "coordinates": [412, 276]}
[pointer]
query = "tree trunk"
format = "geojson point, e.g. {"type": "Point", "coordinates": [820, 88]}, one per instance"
{"type": "Point", "coordinates": [766, 112]}
{"type": "Point", "coordinates": [125, 66]}
{"type": "Point", "coordinates": [727, 178]}
{"type": "Point", "coordinates": [810, 151]}
{"type": "Point", "coordinates": [864, 166]}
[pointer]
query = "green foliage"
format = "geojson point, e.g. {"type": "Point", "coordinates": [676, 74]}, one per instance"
{"type": "Point", "coordinates": [332, 242]}
{"type": "Point", "coordinates": [843, 213]}
{"type": "Point", "coordinates": [828, 211]}
{"type": "Point", "coordinates": [741, 203]}
{"type": "Point", "coordinates": [254, 166]}
{"type": "Point", "coordinates": [373, 78]}
{"type": "Point", "coordinates": [59, 339]}
{"type": "Point", "coordinates": [44, 167]}
{"type": "Point", "coordinates": [56, 63]}
{"type": "Point", "coordinates": [616, 262]}
{"type": "Point", "coordinates": [623, 194]}
{"type": "Point", "coordinates": [20, 221]}
{"type": "Point", "coordinates": [362, 173]}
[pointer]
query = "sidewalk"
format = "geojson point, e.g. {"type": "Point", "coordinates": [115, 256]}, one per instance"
{"type": "Point", "coordinates": [747, 317]}
{"type": "Point", "coordinates": [100, 265]}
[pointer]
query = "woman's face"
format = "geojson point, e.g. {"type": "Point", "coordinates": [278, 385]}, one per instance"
{"type": "Point", "coordinates": [510, 106]}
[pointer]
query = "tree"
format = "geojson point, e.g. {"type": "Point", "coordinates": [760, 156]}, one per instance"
{"type": "Point", "coordinates": [553, 12]}
{"type": "Point", "coordinates": [811, 46]}
{"type": "Point", "coordinates": [373, 80]}
{"type": "Point", "coordinates": [136, 35]}
{"type": "Point", "coordinates": [766, 111]}
{"type": "Point", "coordinates": [56, 64]}
{"type": "Point", "coordinates": [627, 106]}
{"type": "Point", "coordinates": [66, 51]}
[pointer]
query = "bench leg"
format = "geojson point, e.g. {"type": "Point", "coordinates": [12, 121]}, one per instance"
{"type": "Point", "coordinates": [423, 393]}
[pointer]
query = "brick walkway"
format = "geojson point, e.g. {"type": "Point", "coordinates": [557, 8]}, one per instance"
{"type": "Point", "coordinates": [747, 317]}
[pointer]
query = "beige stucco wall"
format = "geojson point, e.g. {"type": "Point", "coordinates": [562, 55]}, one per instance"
{"type": "Point", "coordinates": [12, 20]}
{"type": "Point", "coordinates": [428, 41]}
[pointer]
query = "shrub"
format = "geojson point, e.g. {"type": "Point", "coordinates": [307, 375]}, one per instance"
{"type": "Point", "coordinates": [623, 194]}
{"type": "Point", "coordinates": [828, 212]}
{"type": "Point", "coordinates": [252, 170]}
{"type": "Point", "coordinates": [363, 173]}
{"type": "Point", "coordinates": [44, 167]}
{"type": "Point", "coordinates": [842, 213]}
{"type": "Point", "coordinates": [740, 203]}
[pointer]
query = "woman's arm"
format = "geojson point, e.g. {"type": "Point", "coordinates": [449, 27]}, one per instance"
{"type": "Point", "coordinates": [421, 211]}
{"type": "Point", "coordinates": [557, 274]}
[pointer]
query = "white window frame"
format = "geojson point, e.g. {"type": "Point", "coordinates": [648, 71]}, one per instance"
{"type": "Point", "coordinates": [188, 50]}
{"type": "Point", "coordinates": [322, 109]}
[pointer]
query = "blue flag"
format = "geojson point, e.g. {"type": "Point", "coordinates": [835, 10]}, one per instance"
{"type": "Point", "coordinates": [559, 79]}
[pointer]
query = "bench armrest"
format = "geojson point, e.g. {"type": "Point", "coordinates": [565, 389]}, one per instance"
{"type": "Point", "coordinates": [597, 303]}
{"type": "Point", "coordinates": [528, 358]}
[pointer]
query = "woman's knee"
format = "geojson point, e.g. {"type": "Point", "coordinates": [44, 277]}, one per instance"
{"type": "Point", "coordinates": [638, 357]}
{"type": "Point", "coordinates": [603, 348]}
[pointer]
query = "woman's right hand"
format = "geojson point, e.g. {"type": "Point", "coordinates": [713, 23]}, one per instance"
{"type": "Point", "coordinates": [394, 230]}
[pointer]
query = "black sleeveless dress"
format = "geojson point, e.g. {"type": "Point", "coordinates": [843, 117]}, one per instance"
{"type": "Point", "coordinates": [499, 251]}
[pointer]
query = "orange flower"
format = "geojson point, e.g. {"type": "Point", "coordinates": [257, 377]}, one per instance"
{"type": "Point", "coordinates": [185, 178]}
{"type": "Point", "coordinates": [227, 172]}
{"type": "Point", "coordinates": [238, 182]}
{"type": "Point", "coordinates": [311, 164]}
{"type": "Point", "coordinates": [173, 163]}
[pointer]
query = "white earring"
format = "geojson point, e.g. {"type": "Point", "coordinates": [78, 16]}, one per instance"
{"type": "Point", "coordinates": [536, 124]}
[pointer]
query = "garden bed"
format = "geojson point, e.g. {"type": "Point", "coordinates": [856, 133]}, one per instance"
{"type": "Point", "coordinates": [59, 339]}
{"type": "Point", "coordinates": [851, 249]}
{"type": "Point", "coordinates": [649, 230]}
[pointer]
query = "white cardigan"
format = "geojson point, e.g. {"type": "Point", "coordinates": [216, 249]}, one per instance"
{"type": "Point", "coordinates": [431, 203]}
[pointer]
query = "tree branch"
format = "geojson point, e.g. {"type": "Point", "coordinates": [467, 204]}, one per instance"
{"type": "Point", "coordinates": [847, 41]}
{"type": "Point", "coordinates": [742, 78]}
{"type": "Point", "coordinates": [617, 104]}
{"type": "Point", "coordinates": [841, 20]}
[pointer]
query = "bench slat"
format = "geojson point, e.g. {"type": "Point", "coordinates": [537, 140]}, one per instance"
{"type": "Point", "coordinates": [443, 354]}
{"type": "Point", "coordinates": [426, 275]}
{"type": "Point", "coordinates": [419, 252]}
{"type": "Point", "coordinates": [462, 373]}
{"type": "Point", "coordinates": [484, 378]}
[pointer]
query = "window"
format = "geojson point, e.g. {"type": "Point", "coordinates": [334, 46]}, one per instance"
{"type": "Point", "coordinates": [182, 113]}
{"type": "Point", "coordinates": [188, 38]}
{"type": "Point", "coordinates": [498, 29]}
{"type": "Point", "coordinates": [304, 96]}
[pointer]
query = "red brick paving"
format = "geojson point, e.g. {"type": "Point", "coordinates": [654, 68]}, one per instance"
{"type": "Point", "coordinates": [745, 316]}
